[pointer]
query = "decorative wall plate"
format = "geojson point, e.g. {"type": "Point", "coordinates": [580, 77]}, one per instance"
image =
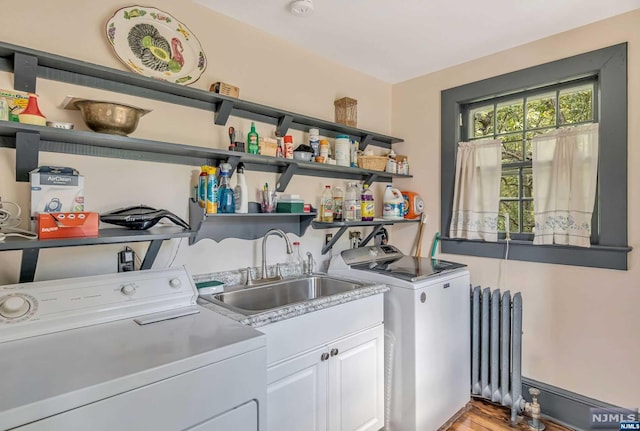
{"type": "Point", "coordinates": [155, 44]}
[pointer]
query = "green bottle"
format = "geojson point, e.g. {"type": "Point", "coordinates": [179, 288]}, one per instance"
{"type": "Point", "coordinates": [252, 140]}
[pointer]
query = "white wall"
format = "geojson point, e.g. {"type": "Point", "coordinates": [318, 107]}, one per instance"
{"type": "Point", "coordinates": [267, 70]}
{"type": "Point", "coordinates": [581, 325]}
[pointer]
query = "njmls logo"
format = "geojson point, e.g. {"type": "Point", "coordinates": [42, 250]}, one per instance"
{"type": "Point", "coordinates": [613, 419]}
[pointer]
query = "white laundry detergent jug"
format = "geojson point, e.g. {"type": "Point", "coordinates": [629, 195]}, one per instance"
{"type": "Point", "coordinates": [392, 204]}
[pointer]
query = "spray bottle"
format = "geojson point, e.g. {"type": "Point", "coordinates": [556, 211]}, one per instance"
{"type": "Point", "coordinates": [240, 192]}
{"type": "Point", "coordinates": [202, 186]}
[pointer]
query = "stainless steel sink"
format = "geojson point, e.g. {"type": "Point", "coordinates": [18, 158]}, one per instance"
{"type": "Point", "coordinates": [278, 294]}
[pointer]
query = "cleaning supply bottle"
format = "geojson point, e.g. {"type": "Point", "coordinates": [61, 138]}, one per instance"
{"type": "Point", "coordinates": [326, 205]}
{"type": "Point", "coordinates": [212, 191]}
{"type": "Point", "coordinates": [226, 200]}
{"type": "Point", "coordinates": [350, 201]}
{"type": "Point", "coordinates": [368, 204]}
{"type": "Point", "coordinates": [392, 204]}
{"type": "Point", "coordinates": [240, 192]}
{"type": "Point", "coordinates": [202, 186]}
{"type": "Point", "coordinates": [252, 140]}
{"type": "Point", "coordinates": [338, 204]}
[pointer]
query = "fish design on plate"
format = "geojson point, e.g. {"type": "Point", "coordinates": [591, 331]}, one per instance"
{"type": "Point", "coordinates": [155, 44]}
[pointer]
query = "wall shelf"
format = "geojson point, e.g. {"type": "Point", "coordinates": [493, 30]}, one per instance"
{"type": "Point", "coordinates": [31, 248]}
{"type": "Point", "coordinates": [342, 226]}
{"type": "Point", "coordinates": [252, 225]}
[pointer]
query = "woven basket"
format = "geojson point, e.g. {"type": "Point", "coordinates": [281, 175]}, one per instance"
{"type": "Point", "coordinates": [374, 163]}
{"type": "Point", "coordinates": [346, 111]}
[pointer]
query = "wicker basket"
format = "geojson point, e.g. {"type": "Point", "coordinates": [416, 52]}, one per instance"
{"type": "Point", "coordinates": [374, 163]}
{"type": "Point", "coordinates": [346, 111]}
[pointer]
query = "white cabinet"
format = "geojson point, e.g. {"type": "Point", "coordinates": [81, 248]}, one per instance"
{"type": "Point", "coordinates": [337, 385]}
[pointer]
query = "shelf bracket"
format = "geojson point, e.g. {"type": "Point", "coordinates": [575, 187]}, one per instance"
{"type": "Point", "coordinates": [373, 233]}
{"type": "Point", "coordinates": [233, 161]}
{"type": "Point", "coordinates": [366, 140]}
{"type": "Point", "coordinates": [28, 264]}
{"type": "Point", "coordinates": [25, 71]}
{"type": "Point", "coordinates": [223, 110]}
{"type": "Point", "coordinates": [284, 123]}
{"type": "Point", "coordinates": [372, 178]}
{"type": "Point", "coordinates": [284, 179]}
{"type": "Point", "coordinates": [152, 253]}
{"type": "Point", "coordinates": [335, 238]}
{"type": "Point", "coordinates": [27, 149]}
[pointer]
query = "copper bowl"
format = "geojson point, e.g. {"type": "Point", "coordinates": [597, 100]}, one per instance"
{"type": "Point", "coordinates": [109, 117]}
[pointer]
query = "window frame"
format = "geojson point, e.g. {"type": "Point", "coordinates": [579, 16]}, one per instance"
{"type": "Point", "coordinates": [609, 66]}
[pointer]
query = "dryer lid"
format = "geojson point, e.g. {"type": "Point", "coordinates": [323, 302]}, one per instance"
{"type": "Point", "coordinates": [409, 268]}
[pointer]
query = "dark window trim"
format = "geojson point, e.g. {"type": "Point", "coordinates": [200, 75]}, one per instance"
{"type": "Point", "coordinates": [610, 66]}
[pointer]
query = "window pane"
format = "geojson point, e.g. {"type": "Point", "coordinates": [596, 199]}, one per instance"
{"type": "Point", "coordinates": [528, 220]}
{"type": "Point", "coordinates": [576, 104]}
{"type": "Point", "coordinates": [511, 208]}
{"type": "Point", "coordinates": [509, 184]}
{"type": "Point", "coordinates": [541, 111]}
{"type": "Point", "coordinates": [481, 120]}
{"type": "Point", "coordinates": [527, 183]}
{"type": "Point", "coordinates": [511, 148]}
{"type": "Point", "coordinates": [510, 117]}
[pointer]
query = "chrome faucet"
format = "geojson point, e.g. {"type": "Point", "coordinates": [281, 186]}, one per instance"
{"type": "Point", "coordinates": [310, 263]}
{"type": "Point", "coordinates": [265, 277]}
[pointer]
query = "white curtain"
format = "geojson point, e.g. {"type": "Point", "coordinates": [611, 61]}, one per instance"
{"type": "Point", "coordinates": [565, 168]}
{"type": "Point", "coordinates": [477, 190]}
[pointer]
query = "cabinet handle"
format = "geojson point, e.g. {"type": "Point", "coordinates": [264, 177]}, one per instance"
{"type": "Point", "coordinates": [334, 352]}
{"type": "Point", "coordinates": [324, 356]}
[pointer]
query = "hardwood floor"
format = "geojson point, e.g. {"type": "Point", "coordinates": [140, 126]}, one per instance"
{"type": "Point", "coordinates": [481, 415]}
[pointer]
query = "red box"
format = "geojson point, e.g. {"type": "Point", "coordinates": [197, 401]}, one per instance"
{"type": "Point", "coordinates": [67, 225]}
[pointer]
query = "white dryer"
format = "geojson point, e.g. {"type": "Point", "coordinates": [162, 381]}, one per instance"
{"type": "Point", "coordinates": [129, 351]}
{"type": "Point", "coordinates": [426, 317]}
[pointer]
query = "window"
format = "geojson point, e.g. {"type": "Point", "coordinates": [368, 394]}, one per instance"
{"type": "Point", "coordinates": [586, 88]}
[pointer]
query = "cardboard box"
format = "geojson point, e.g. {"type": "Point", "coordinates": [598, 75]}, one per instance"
{"type": "Point", "coordinates": [11, 104]}
{"type": "Point", "coordinates": [67, 225]}
{"type": "Point", "coordinates": [56, 189]}
{"type": "Point", "coordinates": [225, 89]}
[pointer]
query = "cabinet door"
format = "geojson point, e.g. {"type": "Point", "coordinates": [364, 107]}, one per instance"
{"type": "Point", "coordinates": [356, 382]}
{"type": "Point", "coordinates": [297, 393]}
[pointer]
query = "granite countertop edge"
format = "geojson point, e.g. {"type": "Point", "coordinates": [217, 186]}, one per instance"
{"type": "Point", "coordinates": [298, 309]}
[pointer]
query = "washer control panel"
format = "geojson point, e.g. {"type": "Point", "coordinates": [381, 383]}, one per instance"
{"type": "Point", "coordinates": [370, 253]}
{"type": "Point", "coordinates": [30, 309]}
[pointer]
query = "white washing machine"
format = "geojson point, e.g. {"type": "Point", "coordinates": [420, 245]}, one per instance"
{"type": "Point", "coordinates": [426, 317]}
{"type": "Point", "coordinates": [129, 351]}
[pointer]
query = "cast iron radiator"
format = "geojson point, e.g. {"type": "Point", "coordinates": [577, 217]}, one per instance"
{"type": "Point", "coordinates": [496, 348]}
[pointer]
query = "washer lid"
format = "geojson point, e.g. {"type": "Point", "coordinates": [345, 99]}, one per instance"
{"type": "Point", "coordinates": [409, 268]}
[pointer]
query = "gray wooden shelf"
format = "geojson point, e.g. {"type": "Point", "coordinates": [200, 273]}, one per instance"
{"type": "Point", "coordinates": [29, 64]}
{"type": "Point", "coordinates": [342, 226]}
{"type": "Point", "coordinates": [31, 248]}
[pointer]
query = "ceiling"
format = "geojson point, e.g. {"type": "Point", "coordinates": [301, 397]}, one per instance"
{"type": "Point", "coordinates": [396, 40]}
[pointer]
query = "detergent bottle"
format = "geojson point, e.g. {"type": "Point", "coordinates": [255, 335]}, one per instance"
{"type": "Point", "coordinates": [392, 204]}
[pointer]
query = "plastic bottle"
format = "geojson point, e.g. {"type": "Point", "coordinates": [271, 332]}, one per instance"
{"type": "Point", "coordinates": [202, 186]}
{"type": "Point", "coordinates": [368, 204]}
{"type": "Point", "coordinates": [324, 149]}
{"type": "Point", "coordinates": [314, 141]}
{"type": "Point", "coordinates": [338, 201]}
{"type": "Point", "coordinates": [352, 203]}
{"type": "Point", "coordinates": [226, 200]}
{"type": "Point", "coordinates": [392, 204]}
{"type": "Point", "coordinates": [354, 153]}
{"type": "Point", "coordinates": [326, 205]}
{"type": "Point", "coordinates": [296, 259]}
{"type": "Point", "coordinates": [212, 191]}
{"type": "Point", "coordinates": [240, 192]}
{"type": "Point", "coordinates": [391, 163]}
{"type": "Point", "coordinates": [342, 150]}
{"type": "Point", "coordinates": [288, 147]}
{"type": "Point", "coordinates": [252, 140]}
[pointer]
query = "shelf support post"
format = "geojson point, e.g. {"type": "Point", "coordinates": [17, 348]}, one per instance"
{"type": "Point", "coordinates": [373, 233]}
{"type": "Point", "coordinates": [27, 149]}
{"type": "Point", "coordinates": [25, 70]}
{"type": "Point", "coordinates": [28, 264]}
{"type": "Point", "coordinates": [366, 140]}
{"type": "Point", "coordinates": [152, 253]}
{"type": "Point", "coordinates": [223, 110]}
{"type": "Point", "coordinates": [284, 179]}
{"type": "Point", "coordinates": [372, 178]}
{"type": "Point", "coordinates": [284, 123]}
{"type": "Point", "coordinates": [335, 238]}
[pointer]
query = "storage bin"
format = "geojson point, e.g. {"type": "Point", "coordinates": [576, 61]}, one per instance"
{"type": "Point", "coordinates": [374, 163]}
